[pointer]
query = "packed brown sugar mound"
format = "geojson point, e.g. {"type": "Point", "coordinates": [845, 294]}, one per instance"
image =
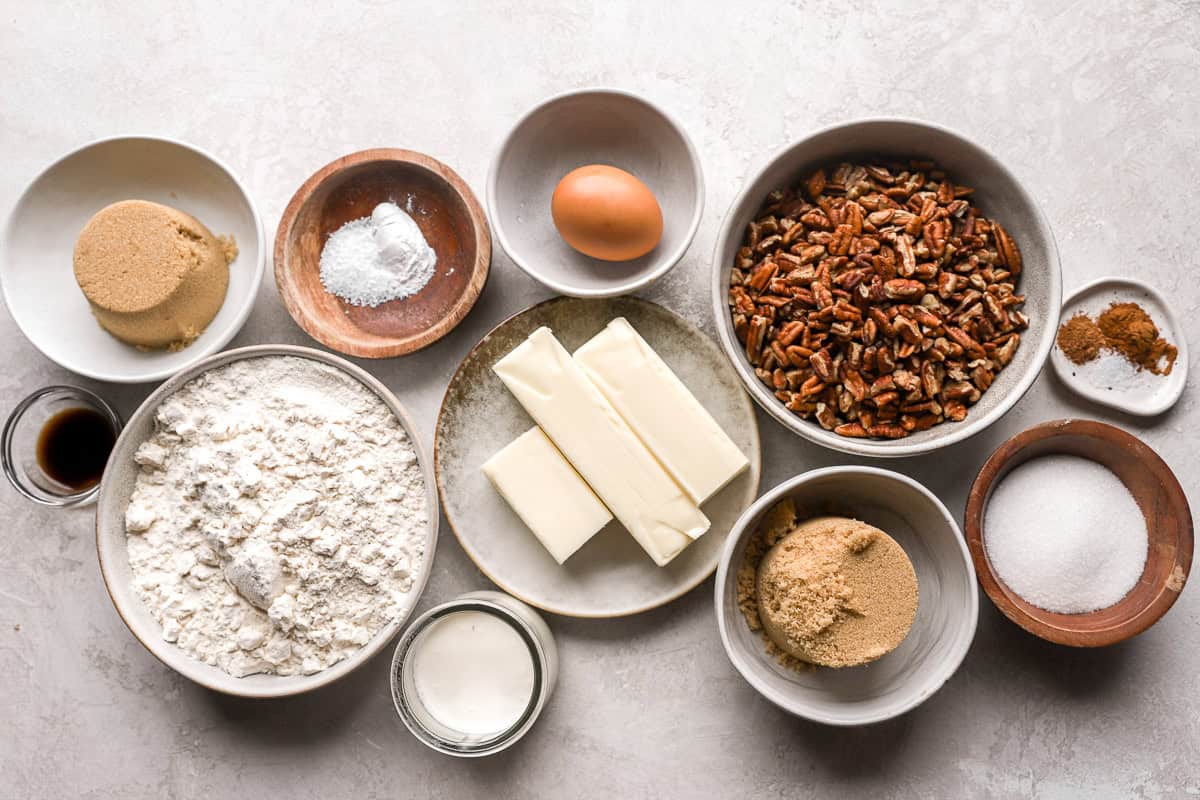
{"type": "Point", "coordinates": [154, 276]}
{"type": "Point", "coordinates": [830, 591]}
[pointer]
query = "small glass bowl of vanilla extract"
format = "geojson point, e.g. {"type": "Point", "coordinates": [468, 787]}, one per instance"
{"type": "Point", "coordinates": [56, 443]}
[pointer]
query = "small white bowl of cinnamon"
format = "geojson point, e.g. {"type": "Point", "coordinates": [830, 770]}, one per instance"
{"type": "Point", "coordinates": [1121, 345]}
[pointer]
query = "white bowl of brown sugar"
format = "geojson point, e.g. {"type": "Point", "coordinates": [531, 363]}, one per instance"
{"type": "Point", "coordinates": [895, 678]}
{"type": "Point", "coordinates": [196, 197]}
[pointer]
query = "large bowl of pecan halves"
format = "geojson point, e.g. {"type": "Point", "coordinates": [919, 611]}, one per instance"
{"type": "Point", "coordinates": [886, 287]}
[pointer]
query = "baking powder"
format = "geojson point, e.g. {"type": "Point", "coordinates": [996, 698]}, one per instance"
{"type": "Point", "coordinates": [371, 260]}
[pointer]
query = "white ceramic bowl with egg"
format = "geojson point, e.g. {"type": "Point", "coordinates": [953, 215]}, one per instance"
{"type": "Point", "coordinates": [38, 246]}
{"type": "Point", "coordinates": [592, 126]}
{"type": "Point", "coordinates": [947, 611]}
{"type": "Point", "coordinates": [117, 486]}
{"type": "Point", "coordinates": [998, 194]}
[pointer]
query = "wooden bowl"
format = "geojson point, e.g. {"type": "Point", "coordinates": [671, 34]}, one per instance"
{"type": "Point", "coordinates": [450, 218]}
{"type": "Point", "coordinates": [1158, 495]}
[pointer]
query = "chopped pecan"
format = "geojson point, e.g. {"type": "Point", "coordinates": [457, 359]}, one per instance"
{"type": "Point", "coordinates": [887, 431]}
{"type": "Point", "coordinates": [1010, 255]}
{"type": "Point", "coordinates": [903, 289]}
{"type": "Point", "coordinates": [955, 410]}
{"type": "Point", "coordinates": [855, 384]}
{"type": "Point", "coordinates": [886, 398]}
{"type": "Point", "coordinates": [755, 338]}
{"type": "Point", "coordinates": [822, 364]}
{"type": "Point", "coordinates": [853, 430]}
{"type": "Point", "coordinates": [908, 330]}
{"type": "Point", "coordinates": [982, 377]}
{"type": "Point", "coordinates": [1004, 352]}
{"type": "Point", "coordinates": [876, 299]}
{"type": "Point", "coordinates": [826, 416]}
{"type": "Point", "coordinates": [919, 423]}
{"type": "Point", "coordinates": [932, 374]}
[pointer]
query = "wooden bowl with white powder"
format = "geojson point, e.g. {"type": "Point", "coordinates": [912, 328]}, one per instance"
{"type": "Point", "coordinates": [450, 219]}
{"type": "Point", "coordinates": [1159, 498]}
{"type": "Point", "coordinates": [292, 448]}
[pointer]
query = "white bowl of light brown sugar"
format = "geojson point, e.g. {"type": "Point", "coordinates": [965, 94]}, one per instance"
{"type": "Point", "coordinates": [882, 608]}
{"type": "Point", "coordinates": [132, 258]}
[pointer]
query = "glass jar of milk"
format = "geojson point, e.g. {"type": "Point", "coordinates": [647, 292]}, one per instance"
{"type": "Point", "coordinates": [470, 676]}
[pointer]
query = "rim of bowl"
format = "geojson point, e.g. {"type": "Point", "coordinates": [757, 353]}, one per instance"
{"type": "Point", "coordinates": [741, 529]}
{"type": "Point", "coordinates": [1172, 321]}
{"type": "Point", "coordinates": [997, 467]}
{"type": "Point", "coordinates": [633, 284]}
{"type": "Point", "coordinates": [215, 346]}
{"type": "Point", "coordinates": [313, 324]}
{"type": "Point", "coordinates": [891, 448]}
{"type": "Point", "coordinates": [367, 651]}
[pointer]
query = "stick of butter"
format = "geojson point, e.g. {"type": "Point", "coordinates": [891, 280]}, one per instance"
{"type": "Point", "coordinates": [607, 454]}
{"type": "Point", "coordinates": [680, 433]}
{"type": "Point", "coordinates": [547, 493]}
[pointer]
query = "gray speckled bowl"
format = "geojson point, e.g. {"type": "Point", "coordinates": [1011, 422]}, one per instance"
{"type": "Point", "coordinates": [998, 194]}
{"type": "Point", "coordinates": [611, 575]}
{"type": "Point", "coordinates": [117, 486]}
{"type": "Point", "coordinates": [592, 126]}
{"type": "Point", "coordinates": [947, 612]}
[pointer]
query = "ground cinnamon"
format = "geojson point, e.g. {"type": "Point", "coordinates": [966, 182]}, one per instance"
{"type": "Point", "coordinates": [1129, 330]}
{"type": "Point", "coordinates": [1080, 339]}
{"type": "Point", "coordinates": [1123, 328]}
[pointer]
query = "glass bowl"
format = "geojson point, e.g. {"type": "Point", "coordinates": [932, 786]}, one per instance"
{"type": "Point", "coordinates": [20, 444]}
{"type": "Point", "coordinates": [423, 723]}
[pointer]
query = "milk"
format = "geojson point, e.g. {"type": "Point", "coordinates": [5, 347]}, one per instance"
{"type": "Point", "coordinates": [473, 672]}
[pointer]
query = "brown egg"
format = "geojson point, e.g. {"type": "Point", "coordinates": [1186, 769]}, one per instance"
{"type": "Point", "coordinates": [606, 213]}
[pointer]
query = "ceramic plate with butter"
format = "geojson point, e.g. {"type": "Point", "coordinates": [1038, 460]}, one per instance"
{"type": "Point", "coordinates": [610, 575]}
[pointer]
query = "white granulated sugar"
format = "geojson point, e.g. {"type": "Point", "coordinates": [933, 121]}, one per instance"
{"type": "Point", "coordinates": [371, 260]}
{"type": "Point", "coordinates": [278, 519]}
{"type": "Point", "coordinates": [1064, 533]}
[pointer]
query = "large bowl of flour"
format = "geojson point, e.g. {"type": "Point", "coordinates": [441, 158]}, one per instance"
{"type": "Point", "coordinates": [267, 520]}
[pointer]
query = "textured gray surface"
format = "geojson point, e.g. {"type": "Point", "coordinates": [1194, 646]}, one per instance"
{"type": "Point", "coordinates": [1094, 105]}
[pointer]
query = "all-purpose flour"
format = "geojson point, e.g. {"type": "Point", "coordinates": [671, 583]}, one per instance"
{"type": "Point", "coordinates": [278, 518]}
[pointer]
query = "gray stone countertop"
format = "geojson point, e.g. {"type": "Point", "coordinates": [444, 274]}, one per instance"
{"type": "Point", "coordinates": [1096, 106]}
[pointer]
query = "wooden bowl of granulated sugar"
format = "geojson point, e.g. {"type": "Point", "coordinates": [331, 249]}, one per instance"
{"type": "Point", "coordinates": [450, 220]}
{"type": "Point", "coordinates": [1089, 577]}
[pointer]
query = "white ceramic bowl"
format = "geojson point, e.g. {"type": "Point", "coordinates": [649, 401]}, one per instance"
{"type": "Point", "coordinates": [117, 486]}
{"type": "Point", "coordinates": [1152, 394]}
{"type": "Point", "coordinates": [36, 254]}
{"type": "Point", "coordinates": [592, 126]}
{"type": "Point", "coordinates": [946, 614]}
{"type": "Point", "coordinates": [998, 194]}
